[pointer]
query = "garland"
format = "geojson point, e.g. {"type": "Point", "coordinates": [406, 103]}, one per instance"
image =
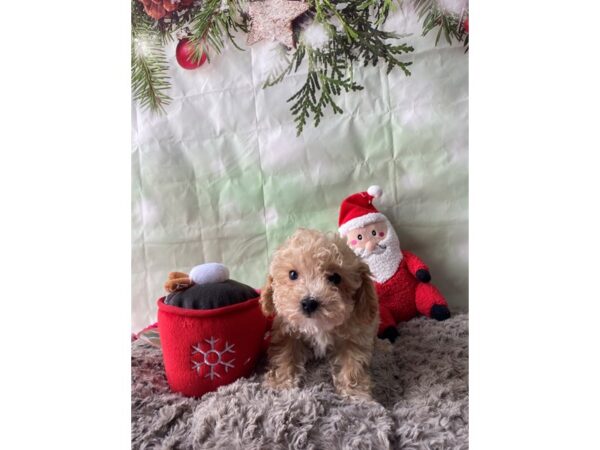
{"type": "Point", "coordinates": [349, 34]}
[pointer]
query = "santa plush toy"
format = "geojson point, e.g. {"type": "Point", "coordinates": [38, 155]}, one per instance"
{"type": "Point", "coordinates": [402, 280]}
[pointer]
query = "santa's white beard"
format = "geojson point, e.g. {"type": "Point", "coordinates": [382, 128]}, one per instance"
{"type": "Point", "coordinates": [385, 257]}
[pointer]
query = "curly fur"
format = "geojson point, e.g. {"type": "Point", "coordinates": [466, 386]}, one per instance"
{"type": "Point", "coordinates": [344, 326]}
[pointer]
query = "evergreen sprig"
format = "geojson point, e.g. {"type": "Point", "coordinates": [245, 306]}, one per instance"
{"type": "Point", "coordinates": [149, 75]}
{"type": "Point", "coordinates": [371, 43]}
{"type": "Point", "coordinates": [150, 81]}
{"type": "Point", "coordinates": [330, 68]}
{"type": "Point", "coordinates": [215, 20]}
{"type": "Point", "coordinates": [149, 66]}
{"type": "Point", "coordinates": [451, 25]}
{"type": "Point", "coordinates": [328, 75]}
{"type": "Point", "coordinates": [356, 39]}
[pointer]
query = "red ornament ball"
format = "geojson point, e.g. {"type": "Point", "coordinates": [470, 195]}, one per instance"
{"type": "Point", "coordinates": [466, 25]}
{"type": "Point", "coordinates": [185, 55]}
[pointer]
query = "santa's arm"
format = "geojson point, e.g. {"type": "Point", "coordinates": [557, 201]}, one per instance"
{"type": "Point", "coordinates": [417, 267]}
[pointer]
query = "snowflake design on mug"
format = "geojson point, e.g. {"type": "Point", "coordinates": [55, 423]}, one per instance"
{"type": "Point", "coordinates": [212, 357]}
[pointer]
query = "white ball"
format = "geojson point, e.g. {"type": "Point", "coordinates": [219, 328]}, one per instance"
{"type": "Point", "coordinates": [375, 191]}
{"type": "Point", "coordinates": [315, 35]}
{"type": "Point", "coordinates": [209, 273]}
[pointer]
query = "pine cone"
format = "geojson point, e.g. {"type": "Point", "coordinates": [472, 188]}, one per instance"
{"type": "Point", "coordinates": [157, 9]}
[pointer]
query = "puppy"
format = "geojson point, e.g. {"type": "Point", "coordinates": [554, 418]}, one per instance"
{"type": "Point", "coordinates": [324, 303]}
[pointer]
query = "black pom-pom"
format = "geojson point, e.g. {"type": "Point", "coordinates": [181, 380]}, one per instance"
{"type": "Point", "coordinates": [211, 295]}
{"type": "Point", "coordinates": [439, 312]}
{"type": "Point", "coordinates": [390, 333]}
{"type": "Point", "coordinates": [423, 275]}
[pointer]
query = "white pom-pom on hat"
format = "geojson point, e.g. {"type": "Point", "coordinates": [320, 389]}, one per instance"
{"type": "Point", "coordinates": [375, 191]}
{"type": "Point", "coordinates": [209, 273]}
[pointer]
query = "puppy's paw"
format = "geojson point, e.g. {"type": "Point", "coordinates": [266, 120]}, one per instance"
{"type": "Point", "coordinates": [276, 381]}
{"type": "Point", "coordinates": [383, 346]}
{"type": "Point", "coordinates": [355, 393]}
{"type": "Point", "coordinates": [357, 386]}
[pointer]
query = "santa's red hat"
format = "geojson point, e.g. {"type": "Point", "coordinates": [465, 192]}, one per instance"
{"type": "Point", "coordinates": [357, 210]}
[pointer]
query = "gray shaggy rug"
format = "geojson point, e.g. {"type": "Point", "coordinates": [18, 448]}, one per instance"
{"type": "Point", "coordinates": [421, 389]}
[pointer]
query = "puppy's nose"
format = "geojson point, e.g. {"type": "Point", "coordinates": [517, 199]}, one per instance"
{"type": "Point", "coordinates": [309, 305]}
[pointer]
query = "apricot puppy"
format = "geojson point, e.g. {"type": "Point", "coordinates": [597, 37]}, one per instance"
{"type": "Point", "coordinates": [325, 305]}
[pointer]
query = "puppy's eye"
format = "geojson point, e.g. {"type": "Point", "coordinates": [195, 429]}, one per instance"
{"type": "Point", "coordinates": [335, 278]}
{"type": "Point", "coordinates": [293, 275]}
{"type": "Point", "coordinates": [374, 233]}
{"type": "Point", "coordinates": [359, 237]}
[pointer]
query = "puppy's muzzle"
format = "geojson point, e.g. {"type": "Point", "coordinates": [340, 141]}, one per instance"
{"type": "Point", "coordinates": [309, 305]}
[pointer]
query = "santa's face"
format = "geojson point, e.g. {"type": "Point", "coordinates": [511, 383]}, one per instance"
{"type": "Point", "coordinates": [378, 245]}
{"type": "Point", "coordinates": [367, 240]}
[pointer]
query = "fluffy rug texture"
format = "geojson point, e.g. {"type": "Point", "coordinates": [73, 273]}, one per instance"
{"type": "Point", "coordinates": [421, 393]}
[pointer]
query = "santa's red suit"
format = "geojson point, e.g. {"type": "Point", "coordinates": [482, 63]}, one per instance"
{"type": "Point", "coordinates": [403, 295]}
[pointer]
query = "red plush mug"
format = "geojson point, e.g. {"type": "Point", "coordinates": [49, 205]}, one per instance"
{"type": "Point", "coordinates": [205, 349]}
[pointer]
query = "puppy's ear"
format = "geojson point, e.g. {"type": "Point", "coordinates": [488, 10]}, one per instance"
{"type": "Point", "coordinates": [366, 306]}
{"type": "Point", "coordinates": [266, 298]}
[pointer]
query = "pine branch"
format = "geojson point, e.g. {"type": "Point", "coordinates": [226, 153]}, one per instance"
{"type": "Point", "coordinates": [450, 25]}
{"type": "Point", "coordinates": [372, 44]}
{"type": "Point", "coordinates": [150, 82]}
{"type": "Point", "coordinates": [328, 75]}
{"type": "Point", "coordinates": [358, 40]}
{"type": "Point", "coordinates": [379, 9]}
{"type": "Point", "coordinates": [330, 68]}
{"type": "Point", "coordinates": [366, 41]}
{"type": "Point", "coordinates": [149, 67]}
{"type": "Point", "coordinates": [215, 20]}
{"type": "Point", "coordinates": [149, 75]}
